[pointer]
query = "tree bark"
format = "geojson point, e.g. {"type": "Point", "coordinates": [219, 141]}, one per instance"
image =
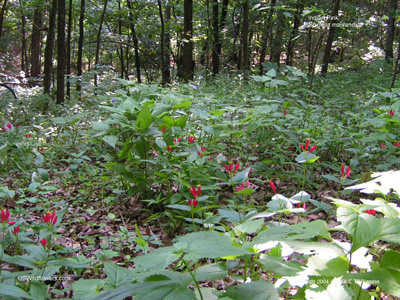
{"type": "Point", "coordinates": [276, 44]}
{"type": "Point", "coordinates": [167, 41]}
{"type": "Point", "coordinates": [24, 54]}
{"type": "Point", "coordinates": [61, 59]}
{"type": "Point", "coordinates": [265, 36]}
{"type": "Point", "coordinates": [135, 43]}
{"type": "Point", "coordinates": [97, 58]}
{"type": "Point", "coordinates": [188, 67]}
{"type": "Point", "coordinates": [390, 30]}
{"type": "Point", "coordinates": [245, 34]}
{"type": "Point", "coordinates": [215, 30]}
{"type": "Point", "coordinates": [80, 45]}
{"type": "Point", "coordinates": [48, 53]}
{"type": "Point", "coordinates": [2, 13]}
{"type": "Point", "coordinates": [295, 30]}
{"type": "Point", "coordinates": [69, 49]}
{"type": "Point", "coordinates": [331, 36]}
{"type": "Point", "coordinates": [162, 36]}
{"type": "Point", "coordinates": [36, 42]}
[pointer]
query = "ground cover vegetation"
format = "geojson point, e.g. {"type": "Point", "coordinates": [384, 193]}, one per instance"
{"type": "Point", "coordinates": [204, 171]}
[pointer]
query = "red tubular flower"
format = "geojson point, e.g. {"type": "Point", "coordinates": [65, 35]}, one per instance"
{"type": "Point", "coordinates": [11, 223]}
{"type": "Point", "coordinates": [284, 111]}
{"type": "Point", "coordinates": [242, 186]}
{"type": "Point", "coordinates": [195, 193]}
{"type": "Point", "coordinates": [391, 112]}
{"type": "Point", "coordinates": [230, 169]}
{"type": "Point", "coordinates": [8, 127]}
{"type": "Point", "coordinates": [371, 211]}
{"type": "Point", "coordinates": [272, 186]}
{"type": "Point", "coordinates": [199, 153]}
{"type": "Point", "coordinates": [305, 147]}
{"type": "Point", "coordinates": [5, 215]}
{"type": "Point", "coordinates": [176, 140]}
{"type": "Point", "coordinates": [312, 148]}
{"type": "Point", "coordinates": [344, 173]}
{"type": "Point", "coordinates": [163, 129]}
{"type": "Point", "coordinates": [28, 136]}
{"type": "Point", "coordinates": [50, 219]}
{"type": "Point", "coordinates": [169, 148]}
{"type": "Point", "coordinates": [203, 149]}
{"type": "Point", "coordinates": [43, 242]}
{"type": "Point", "coordinates": [191, 139]}
{"type": "Point", "coordinates": [15, 231]}
{"type": "Point", "coordinates": [383, 145]}
{"type": "Point", "coordinates": [193, 203]}
{"type": "Point", "coordinates": [396, 144]}
{"type": "Point", "coordinates": [210, 158]}
{"type": "Point", "coordinates": [302, 205]}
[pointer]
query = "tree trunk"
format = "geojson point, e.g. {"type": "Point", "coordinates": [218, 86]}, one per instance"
{"type": "Point", "coordinates": [36, 41]}
{"type": "Point", "coordinates": [48, 53]}
{"type": "Point", "coordinates": [162, 52]}
{"type": "Point", "coordinates": [295, 30]}
{"type": "Point", "coordinates": [98, 40]}
{"type": "Point", "coordinates": [245, 34]}
{"type": "Point", "coordinates": [266, 35]}
{"type": "Point", "coordinates": [61, 59]}
{"type": "Point", "coordinates": [24, 54]}
{"type": "Point", "coordinates": [80, 45]}
{"type": "Point", "coordinates": [215, 31]}
{"type": "Point", "coordinates": [167, 41]}
{"type": "Point", "coordinates": [331, 36]}
{"type": "Point", "coordinates": [188, 67]}
{"type": "Point", "coordinates": [390, 30]}
{"type": "Point", "coordinates": [2, 13]}
{"type": "Point", "coordinates": [276, 44]}
{"type": "Point", "coordinates": [69, 50]}
{"type": "Point", "coordinates": [120, 51]}
{"type": "Point", "coordinates": [135, 42]}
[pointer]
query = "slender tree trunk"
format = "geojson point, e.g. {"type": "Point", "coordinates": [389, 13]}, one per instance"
{"type": "Point", "coordinates": [61, 59]}
{"type": "Point", "coordinates": [162, 36]}
{"type": "Point", "coordinates": [2, 13]}
{"type": "Point", "coordinates": [331, 36]}
{"type": "Point", "coordinates": [390, 30]}
{"type": "Point", "coordinates": [245, 34]}
{"type": "Point", "coordinates": [276, 44]}
{"type": "Point", "coordinates": [36, 42]}
{"type": "Point", "coordinates": [69, 40]}
{"type": "Point", "coordinates": [135, 43]}
{"type": "Point", "coordinates": [120, 51]}
{"type": "Point", "coordinates": [295, 30]}
{"type": "Point", "coordinates": [215, 31]}
{"type": "Point", "coordinates": [24, 55]}
{"type": "Point", "coordinates": [167, 41]}
{"type": "Point", "coordinates": [218, 46]}
{"type": "Point", "coordinates": [265, 36]}
{"type": "Point", "coordinates": [97, 59]}
{"type": "Point", "coordinates": [188, 68]}
{"type": "Point", "coordinates": [396, 67]}
{"type": "Point", "coordinates": [80, 45]}
{"type": "Point", "coordinates": [48, 53]}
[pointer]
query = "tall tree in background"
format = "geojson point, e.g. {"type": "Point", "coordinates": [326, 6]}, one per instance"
{"type": "Point", "coordinates": [97, 59]}
{"type": "Point", "coordinates": [69, 41]}
{"type": "Point", "coordinates": [135, 42]}
{"type": "Point", "coordinates": [294, 32]}
{"type": "Point", "coordinates": [163, 50]}
{"type": "Point", "coordinates": [331, 36]}
{"type": "Point", "coordinates": [188, 66]}
{"type": "Point", "coordinates": [2, 13]}
{"type": "Point", "coordinates": [215, 31]}
{"type": "Point", "coordinates": [36, 40]}
{"type": "Point", "coordinates": [167, 41]}
{"type": "Point", "coordinates": [277, 40]}
{"type": "Point", "coordinates": [48, 53]}
{"type": "Point", "coordinates": [24, 51]}
{"type": "Point", "coordinates": [390, 30]}
{"type": "Point", "coordinates": [80, 45]}
{"type": "Point", "coordinates": [61, 59]}
{"type": "Point", "coordinates": [265, 35]}
{"type": "Point", "coordinates": [245, 35]}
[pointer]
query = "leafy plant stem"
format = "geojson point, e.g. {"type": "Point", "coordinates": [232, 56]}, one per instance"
{"type": "Point", "coordinates": [193, 277]}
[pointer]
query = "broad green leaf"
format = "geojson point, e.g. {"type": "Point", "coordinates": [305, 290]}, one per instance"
{"type": "Point", "coordinates": [111, 140]}
{"type": "Point", "coordinates": [44, 174]}
{"type": "Point", "coordinates": [241, 177]}
{"type": "Point", "coordinates": [144, 118]}
{"type": "Point", "coordinates": [326, 266]}
{"type": "Point", "coordinates": [181, 122]}
{"type": "Point", "coordinates": [117, 294]}
{"type": "Point", "coordinates": [231, 215]}
{"type": "Point", "coordinates": [71, 262]}
{"type": "Point", "coordinates": [87, 289]}
{"type": "Point", "coordinates": [182, 105]}
{"type": "Point", "coordinates": [158, 259]}
{"type": "Point", "coordinates": [180, 207]}
{"type": "Point", "coordinates": [209, 244]}
{"type": "Point", "coordinates": [248, 227]}
{"type": "Point", "coordinates": [271, 73]}
{"type": "Point", "coordinates": [255, 290]}
{"type": "Point", "coordinates": [38, 290]}
{"type": "Point", "coordinates": [118, 276]}
{"type": "Point", "coordinates": [391, 260]}
{"type": "Point", "coordinates": [168, 121]}
{"type": "Point", "coordinates": [212, 272]}
{"type": "Point", "coordinates": [389, 230]}
{"type": "Point", "coordinates": [363, 228]}
{"type": "Point", "coordinates": [11, 290]}
{"type": "Point", "coordinates": [279, 266]}
{"type": "Point", "coordinates": [142, 146]}
{"type": "Point", "coordinates": [100, 126]}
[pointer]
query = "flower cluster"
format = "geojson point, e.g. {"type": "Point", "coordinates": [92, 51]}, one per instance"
{"type": "Point", "coordinates": [305, 147]}
{"type": "Point", "coordinates": [230, 168]}
{"type": "Point", "coordinates": [345, 173]}
{"type": "Point", "coordinates": [391, 112]}
{"type": "Point", "coordinates": [371, 211]}
{"type": "Point", "coordinates": [50, 219]}
{"type": "Point", "coordinates": [242, 186]}
{"type": "Point", "coordinates": [5, 217]}
{"type": "Point", "coordinates": [272, 185]}
{"type": "Point", "coordinates": [194, 202]}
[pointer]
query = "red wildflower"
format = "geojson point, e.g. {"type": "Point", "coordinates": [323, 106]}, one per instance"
{"type": "Point", "coordinates": [242, 186]}
{"type": "Point", "coordinates": [305, 147]}
{"type": "Point", "coordinates": [43, 242]}
{"type": "Point", "coordinates": [163, 129]}
{"type": "Point", "coordinates": [15, 231]}
{"type": "Point", "coordinates": [50, 219]}
{"type": "Point", "coordinates": [230, 168]}
{"type": "Point", "coordinates": [5, 215]}
{"type": "Point", "coordinates": [302, 205]}
{"type": "Point", "coordinates": [176, 140]}
{"type": "Point", "coordinates": [284, 111]}
{"type": "Point", "coordinates": [312, 148]}
{"type": "Point", "coordinates": [391, 112]}
{"type": "Point", "coordinates": [191, 139]}
{"type": "Point", "coordinates": [195, 193]}
{"type": "Point", "coordinates": [8, 127]}
{"type": "Point", "coordinates": [272, 186]}
{"type": "Point", "coordinates": [396, 144]}
{"type": "Point", "coordinates": [11, 223]}
{"type": "Point", "coordinates": [193, 203]}
{"type": "Point", "coordinates": [248, 167]}
{"type": "Point", "coordinates": [210, 158]}
{"type": "Point", "coordinates": [347, 173]}
{"type": "Point", "coordinates": [28, 136]}
{"type": "Point", "coordinates": [371, 211]}
{"type": "Point", "coordinates": [169, 148]}
{"type": "Point", "coordinates": [383, 145]}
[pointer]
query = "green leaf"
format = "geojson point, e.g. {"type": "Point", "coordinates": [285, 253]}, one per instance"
{"type": "Point", "coordinates": [279, 266]}
{"type": "Point", "coordinates": [118, 276]}
{"type": "Point", "coordinates": [142, 146]}
{"type": "Point", "coordinates": [87, 289]}
{"type": "Point", "coordinates": [11, 290]}
{"type": "Point", "coordinates": [144, 118]}
{"type": "Point", "coordinates": [212, 272]}
{"type": "Point", "coordinates": [100, 126]}
{"type": "Point", "coordinates": [158, 259]}
{"type": "Point", "coordinates": [389, 230]}
{"type": "Point", "coordinates": [70, 262]}
{"type": "Point", "coordinates": [111, 140]}
{"type": "Point", "coordinates": [271, 73]}
{"type": "Point", "coordinates": [363, 228]}
{"type": "Point", "coordinates": [334, 291]}
{"type": "Point", "coordinates": [326, 266]}
{"type": "Point", "coordinates": [38, 290]}
{"type": "Point", "coordinates": [181, 122]}
{"type": "Point", "coordinates": [44, 174]}
{"type": "Point", "coordinates": [250, 226]}
{"type": "Point", "coordinates": [182, 105]}
{"type": "Point", "coordinates": [391, 260]}
{"type": "Point", "coordinates": [241, 177]}
{"type": "Point", "coordinates": [256, 290]}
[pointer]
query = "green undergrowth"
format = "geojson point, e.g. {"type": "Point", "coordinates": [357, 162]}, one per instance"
{"type": "Point", "coordinates": [224, 188]}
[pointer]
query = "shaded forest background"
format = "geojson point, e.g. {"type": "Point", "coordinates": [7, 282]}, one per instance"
{"type": "Point", "coordinates": [64, 45]}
